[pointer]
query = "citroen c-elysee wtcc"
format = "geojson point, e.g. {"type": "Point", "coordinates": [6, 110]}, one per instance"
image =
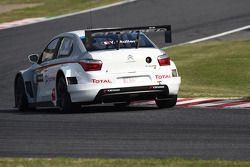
{"type": "Point", "coordinates": [112, 65]}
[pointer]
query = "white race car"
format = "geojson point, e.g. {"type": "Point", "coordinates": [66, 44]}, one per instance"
{"type": "Point", "coordinates": [93, 66]}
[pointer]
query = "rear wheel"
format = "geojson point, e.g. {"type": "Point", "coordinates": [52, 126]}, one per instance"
{"type": "Point", "coordinates": [167, 102]}
{"type": "Point", "coordinates": [63, 98]}
{"type": "Point", "coordinates": [21, 99]}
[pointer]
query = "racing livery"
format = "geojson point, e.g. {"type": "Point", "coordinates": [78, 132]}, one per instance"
{"type": "Point", "coordinates": [112, 65]}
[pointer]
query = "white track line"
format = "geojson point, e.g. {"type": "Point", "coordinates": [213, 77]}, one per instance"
{"type": "Point", "coordinates": [92, 9]}
{"type": "Point", "coordinates": [211, 37]}
{"type": "Point", "coordinates": [219, 35]}
{"type": "Point", "coordinates": [21, 22]}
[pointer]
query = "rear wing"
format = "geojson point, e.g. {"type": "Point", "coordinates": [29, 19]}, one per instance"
{"type": "Point", "coordinates": [163, 28]}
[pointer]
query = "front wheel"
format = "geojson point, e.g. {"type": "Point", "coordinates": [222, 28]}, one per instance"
{"type": "Point", "coordinates": [167, 103]}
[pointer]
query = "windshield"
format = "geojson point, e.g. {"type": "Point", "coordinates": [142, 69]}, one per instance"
{"type": "Point", "coordinates": [106, 41]}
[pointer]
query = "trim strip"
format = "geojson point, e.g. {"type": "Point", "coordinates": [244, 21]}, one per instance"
{"type": "Point", "coordinates": [55, 64]}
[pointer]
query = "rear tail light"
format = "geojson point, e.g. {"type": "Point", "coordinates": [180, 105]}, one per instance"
{"type": "Point", "coordinates": [164, 60]}
{"type": "Point", "coordinates": [91, 65]}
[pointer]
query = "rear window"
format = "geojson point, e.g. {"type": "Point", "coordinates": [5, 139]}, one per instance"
{"type": "Point", "coordinates": [107, 41]}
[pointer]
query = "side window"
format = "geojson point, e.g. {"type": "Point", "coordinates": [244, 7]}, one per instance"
{"type": "Point", "coordinates": [50, 51]}
{"type": "Point", "coordinates": [66, 48]}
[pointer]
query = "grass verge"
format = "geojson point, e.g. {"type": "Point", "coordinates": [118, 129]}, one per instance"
{"type": "Point", "coordinates": [62, 162]}
{"type": "Point", "coordinates": [48, 8]}
{"type": "Point", "coordinates": [213, 69]}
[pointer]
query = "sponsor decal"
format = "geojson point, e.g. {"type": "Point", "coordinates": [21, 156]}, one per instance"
{"type": "Point", "coordinates": [121, 41]}
{"type": "Point", "coordinates": [111, 90]}
{"type": "Point", "coordinates": [101, 81]}
{"type": "Point", "coordinates": [158, 87]}
{"type": "Point", "coordinates": [162, 76]}
{"type": "Point", "coordinates": [151, 66]}
{"type": "Point", "coordinates": [39, 77]}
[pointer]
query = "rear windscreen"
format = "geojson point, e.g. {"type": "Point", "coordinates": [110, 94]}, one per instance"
{"type": "Point", "coordinates": [106, 41]}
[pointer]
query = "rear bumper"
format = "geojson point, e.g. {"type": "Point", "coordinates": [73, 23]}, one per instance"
{"type": "Point", "coordinates": [122, 94]}
{"type": "Point", "coordinates": [131, 93]}
{"type": "Point", "coordinates": [113, 93]}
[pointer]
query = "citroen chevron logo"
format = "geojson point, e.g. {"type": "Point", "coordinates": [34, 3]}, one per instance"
{"type": "Point", "coordinates": [130, 59]}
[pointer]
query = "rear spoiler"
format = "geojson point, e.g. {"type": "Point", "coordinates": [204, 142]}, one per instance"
{"type": "Point", "coordinates": [161, 28]}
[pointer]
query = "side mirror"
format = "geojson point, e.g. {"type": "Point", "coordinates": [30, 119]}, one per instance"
{"type": "Point", "coordinates": [33, 58]}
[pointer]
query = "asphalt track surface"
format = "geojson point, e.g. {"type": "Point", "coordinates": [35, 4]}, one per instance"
{"type": "Point", "coordinates": [124, 132]}
{"type": "Point", "coordinates": [132, 132]}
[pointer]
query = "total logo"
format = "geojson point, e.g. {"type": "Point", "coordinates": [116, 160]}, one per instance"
{"type": "Point", "coordinates": [101, 81]}
{"type": "Point", "coordinates": [162, 76]}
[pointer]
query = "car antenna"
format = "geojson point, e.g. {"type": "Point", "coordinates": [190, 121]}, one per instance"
{"type": "Point", "coordinates": [90, 17]}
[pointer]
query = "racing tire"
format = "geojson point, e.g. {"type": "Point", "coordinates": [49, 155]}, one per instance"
{"type": "Point", "coordinates": [169, 103]}
{"type": "Point", "coordinates": [63, 97]}
{"type": "Point", "coordinates": [21, 100]}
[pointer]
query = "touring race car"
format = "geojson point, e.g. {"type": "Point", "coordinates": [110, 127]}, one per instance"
{"type": "Point", "coordinates": [93, 66]}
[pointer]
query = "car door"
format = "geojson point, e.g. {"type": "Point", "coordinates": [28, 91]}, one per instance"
{"type": "Point", "coordinates": [42, 74]}
{"type": "Point", "coordinates": [65, 49]}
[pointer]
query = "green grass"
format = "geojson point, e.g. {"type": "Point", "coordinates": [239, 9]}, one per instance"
{"type": "Point", "coordinates": [49, 8]}
{"type": "Point", "coordinates": [213, 69]}
{"type": "Point", "coordinates": [62, 162]}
